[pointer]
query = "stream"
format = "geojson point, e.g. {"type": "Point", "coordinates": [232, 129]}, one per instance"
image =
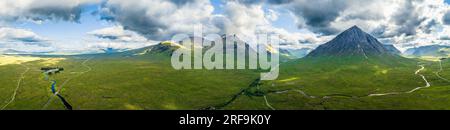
{"type": "Point", "coordinates": [53, 88]}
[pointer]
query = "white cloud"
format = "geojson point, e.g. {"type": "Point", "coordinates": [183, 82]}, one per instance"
{"type": "Point", "coordinates": [272, 15]}
{"type": "Point", "coordinates": [22, 40]}
{"type": "Point", "coordinates": [118, 34]}
{"type": "Point", "coordinates": [395, 21]}
{"type": "Point", "coordinates": [244, 20]}
{"type": "Point", "coordinates": [41, 10]}
{"type": "Point", "coordinates": [14, 35]}
{"type": "Point", "coordinates": [247, 21]}
{"type": "Point", "coordinates": [117, 38]}
{"type": "Point", "coordinates": [160, 19]}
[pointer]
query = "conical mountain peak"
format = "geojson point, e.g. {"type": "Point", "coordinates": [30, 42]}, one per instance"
{"type": "Point", "coordinates": [352, 42]}
{"type": "Point", "coordinates": [356, 28]}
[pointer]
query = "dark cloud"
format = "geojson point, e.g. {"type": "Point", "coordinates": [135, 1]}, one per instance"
{"type": "Point", "coordinates": [446, 18]}
{"type": "Point", "coordinates": [318, 14]}
{"type": "Point", "coordinates": [43, 10]}
{"type": "Point", "coordinates": [272, 2]}
{"type": "Point", "coordinates": [133, 19]}
{"type": "Point", "coordinates": [117, 34]}
{"type": "Point", "coordinates": [428, 28]}
{"type": "Point", "coordinates": [55, 13]}
{"type": "Point", "coordinates": [445, 38]}
{"type": "Point", "coordinates": [181, 2]}
{"type": "Point", "coordinates": [157, 20]}
{"type": "Point", "coordinates": [250, 2]}
{"type": "Point", "coordinates": [279, 1]}
{"type": "Point", "coordinates": [365, 15]}
{"type": "Point", "coordinates": [148, 27]}
{"type": "Point", "coordinates": [379, 31]}
{"type": "Point", "coordinates": [408, 20]}
{"type": "Point", "coordinates": [31, 41]}
{"type": "Point", "coordinates": [109, 37]}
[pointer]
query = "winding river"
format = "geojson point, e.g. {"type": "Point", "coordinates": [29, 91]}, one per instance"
{"type": "Point", "coordinates": [66, 104]}
{"type": "Point", "coordinates": [53, 88]}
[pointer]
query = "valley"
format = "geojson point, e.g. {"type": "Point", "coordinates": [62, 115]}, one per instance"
{"type": "Point", "coordinates": [144, 84]}
{"type": "Point", "coordinates": [352, 72]}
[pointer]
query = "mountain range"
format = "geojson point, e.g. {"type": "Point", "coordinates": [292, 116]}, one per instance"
{"type": "Point", "coordinates": [431, 50]}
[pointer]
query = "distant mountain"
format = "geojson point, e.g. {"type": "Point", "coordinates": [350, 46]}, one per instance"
{"type": "Point", "coordinates": [295, 53]}
{"type": "Point", "coordinates": [163, 48]}
{"type": "Point", "coordinates": [432, 50]}
{"type": "Point", "coordinates": [12, 51]}
{"type": "Point", "coordinates": [110, 50]}
{"type": "Point", "coordinates": [167, 48]}
{"type": "Point", "coordinates": [392, 49]}
{"type": "Point", "coordinates": [352, 42]}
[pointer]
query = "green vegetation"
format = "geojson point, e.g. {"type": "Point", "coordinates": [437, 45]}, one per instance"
{"type": "Point", "coordinates": [122, 82]}
{"type": "Point", "coordinates": [346, 83]}
{"type": "Point", "coordinates": [147, 81]}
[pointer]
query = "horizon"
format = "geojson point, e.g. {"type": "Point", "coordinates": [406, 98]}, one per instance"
{"type": "Point", "coordinates": [90, 26]}
{"type": "Point", "coordinates": [223, 63]}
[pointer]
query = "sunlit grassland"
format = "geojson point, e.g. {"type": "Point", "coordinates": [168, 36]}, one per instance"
{"type": "Point", "coordinates": [346, 84]}
{"type": "Point", "coordinates": [150, 82]}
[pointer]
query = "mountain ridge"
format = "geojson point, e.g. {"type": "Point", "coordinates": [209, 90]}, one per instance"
{"type": "Point", "coordinates": [430, 50]}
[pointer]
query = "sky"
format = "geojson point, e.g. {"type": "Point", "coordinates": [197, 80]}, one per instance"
{"type": "Point", "coordinates": [88, 26]}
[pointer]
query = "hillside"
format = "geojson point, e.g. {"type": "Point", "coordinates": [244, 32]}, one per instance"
{"type": "Point", "coordinates": [343, 74]}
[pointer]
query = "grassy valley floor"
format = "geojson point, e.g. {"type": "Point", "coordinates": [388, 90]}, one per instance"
{"type": "Point", "coordinates": [148, 82]}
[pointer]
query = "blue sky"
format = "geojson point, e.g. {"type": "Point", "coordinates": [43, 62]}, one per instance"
{"type": "Point", "coordinates": [68, 30]}
{"type": "Point", "coordinates": [297, 21]}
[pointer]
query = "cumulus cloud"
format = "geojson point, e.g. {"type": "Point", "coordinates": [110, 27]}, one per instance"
{"type": "Point", "coordinates": [41, 10]}
{"type": "Point", "coordinates": [393, 21]}
{"type": "Point", "coordinates": [317, 15]}
{"type": "Point", "coordinates": [272, 15]}
{"type": "Point", "coordinates": [14, 40]}
{"type": "Point", "coordinates": [251, 2]}
{"type": "Point", "coordinates": [331, 16]}
{"type": "Point", "coordinates": [140, 21]}
{"type": "Point", "coordinates": [159, 19]}
{"type": "Point", "coordinates": [117, 33]}
{"type": "Point", "coordinates": [116, 38]}
{"type": "Point", "coordinates": [14, 35]}
{"type": "Point", "coordinates": [243, 20]}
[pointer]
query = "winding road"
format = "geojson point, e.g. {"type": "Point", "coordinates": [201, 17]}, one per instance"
{"type": "Point", "coordinates": [13, 97]}
{"type": "Point", "coordinates": [440, 70]}
{"type": "Point", "coordinates": [268, 104]}
{"type": "Point", "coordinates": [417, 72]}
{"type": "Point", "coordinates": [411, 91]}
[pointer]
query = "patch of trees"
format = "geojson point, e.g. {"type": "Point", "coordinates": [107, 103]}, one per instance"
{"type": "Point", "coordinates": [52, 70]}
